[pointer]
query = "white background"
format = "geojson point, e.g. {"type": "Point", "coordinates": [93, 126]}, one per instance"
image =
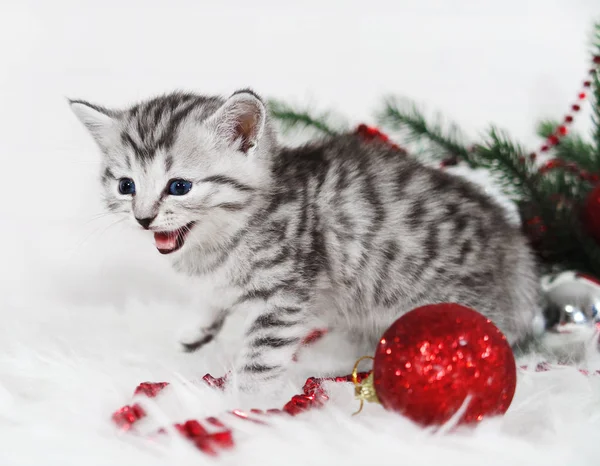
{"type": "Point", "coordinates": [87, 312]}
{"type": "Point", "coordinates": [508, 62]}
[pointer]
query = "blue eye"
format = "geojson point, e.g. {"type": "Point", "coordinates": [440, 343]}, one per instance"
{"type": "Point", "coordinates": [180, 187]}
{"type": "Point", "coordinates": [126, 186]}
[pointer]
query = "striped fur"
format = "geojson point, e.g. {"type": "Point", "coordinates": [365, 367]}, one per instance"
{"type": "Point", "coordinates": [339, 232]}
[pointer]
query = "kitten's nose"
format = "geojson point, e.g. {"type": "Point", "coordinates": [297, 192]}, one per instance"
{"type": "Point", "coordinates": [145, 222]}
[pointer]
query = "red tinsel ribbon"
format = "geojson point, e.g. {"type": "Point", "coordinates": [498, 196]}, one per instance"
{"type": "Point", "coordinates": [219, 436]}
{"type": "Point", "coordinates": [370, 133]}
{"type": "Point", "coordinates": [212, 434]}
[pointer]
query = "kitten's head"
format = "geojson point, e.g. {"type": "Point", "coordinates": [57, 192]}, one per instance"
{"type": "Point", "coordinates": [188, 168]}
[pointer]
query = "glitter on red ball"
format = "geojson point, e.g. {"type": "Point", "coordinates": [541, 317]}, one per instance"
{"type": "Point", "coordinates": [432, 358]}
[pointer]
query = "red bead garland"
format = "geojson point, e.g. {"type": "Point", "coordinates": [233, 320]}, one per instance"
{"type": "Point", "coordinates": [560, 132]}
{"type": "Point", "coordinates": [370, 133]}
{"type": "Point", "coordinates": [563, 130]}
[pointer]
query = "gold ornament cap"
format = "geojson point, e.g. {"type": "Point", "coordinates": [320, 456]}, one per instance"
{"type": "Point", "coordinates": [365, 390]}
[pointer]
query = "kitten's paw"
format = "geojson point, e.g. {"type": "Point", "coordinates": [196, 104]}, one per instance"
{"type": "Point", "coordinates": [196, 337]}
{"type": "Point", "coordinates": [249, 383]}
{"type": "Point", "coordinates": [193, 341]}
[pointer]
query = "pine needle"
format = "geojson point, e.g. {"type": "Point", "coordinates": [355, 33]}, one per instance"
{"type": "Point", "coordinates": [291, 118]}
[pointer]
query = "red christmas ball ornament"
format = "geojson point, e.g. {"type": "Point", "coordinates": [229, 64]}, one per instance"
{"type": "Point", "coordinates": [591, 213]}
{"type": "Point", "coordinates": [440, 358]}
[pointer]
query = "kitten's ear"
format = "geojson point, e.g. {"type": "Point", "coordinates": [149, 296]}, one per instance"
{"type": "Point", "coordinates": [241, 119]}
{"type": "Point", "coordinates": [98, 120]}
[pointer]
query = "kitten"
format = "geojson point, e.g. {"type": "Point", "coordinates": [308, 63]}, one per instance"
{"type": "Point", "coordinates": [339, 231]}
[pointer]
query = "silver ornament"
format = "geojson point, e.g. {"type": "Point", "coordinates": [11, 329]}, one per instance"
{"type": "Point", "coordinates": [572, 299]}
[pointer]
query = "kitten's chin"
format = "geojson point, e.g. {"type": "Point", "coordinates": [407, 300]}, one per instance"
{"type": "Point", "coordinates": [170, 241]}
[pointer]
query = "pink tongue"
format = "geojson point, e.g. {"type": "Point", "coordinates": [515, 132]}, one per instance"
{"type": "Point", "coordinates": [165, 241]}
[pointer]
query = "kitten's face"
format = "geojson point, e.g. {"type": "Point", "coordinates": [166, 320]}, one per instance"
{"type": "Point", "coordinates": [187, 168]}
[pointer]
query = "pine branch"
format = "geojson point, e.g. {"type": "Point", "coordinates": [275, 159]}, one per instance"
{"type": "Point", "coordinates": [571, 148]}
{"type": "Point", "coordinates": [412, 123]}
{"type": "Point", "coordinates": [515, 172]}
{"type": "Point", "coordinates": [546, 128]}
{"type": "Point", "coordinates": [596, 117]}
{"type": "Point", "coordinates": [556, 197]}
{"type": "Point", "coordinates": [595, 101]}
{"type": "Point", "coordinates": [291, 118]}
{"type": "Point", "coordinates": [564, 244]}
{"type": "Point", "coordinates": [590, 250]}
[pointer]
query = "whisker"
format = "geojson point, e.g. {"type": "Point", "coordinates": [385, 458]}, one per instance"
{"type": "Point", "coordinates": [100, 231]}
{"type": "Point", "coordinates": [99, 216]}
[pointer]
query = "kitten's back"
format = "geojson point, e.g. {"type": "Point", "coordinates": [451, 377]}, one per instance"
{"type": "Point", "coordinates": [392, 233]}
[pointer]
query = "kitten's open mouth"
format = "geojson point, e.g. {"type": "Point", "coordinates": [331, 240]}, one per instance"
{"type": "Point", "coordinates": [170, 241]}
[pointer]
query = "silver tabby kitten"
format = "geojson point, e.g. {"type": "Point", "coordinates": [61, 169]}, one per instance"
{"type": "Point", "coordinates": [340, 233]}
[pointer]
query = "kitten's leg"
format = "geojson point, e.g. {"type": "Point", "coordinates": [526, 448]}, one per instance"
{"type": "Point", "coordinates": [198, 337]}
{"type": "Point", "coordinates": [272, 339]}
